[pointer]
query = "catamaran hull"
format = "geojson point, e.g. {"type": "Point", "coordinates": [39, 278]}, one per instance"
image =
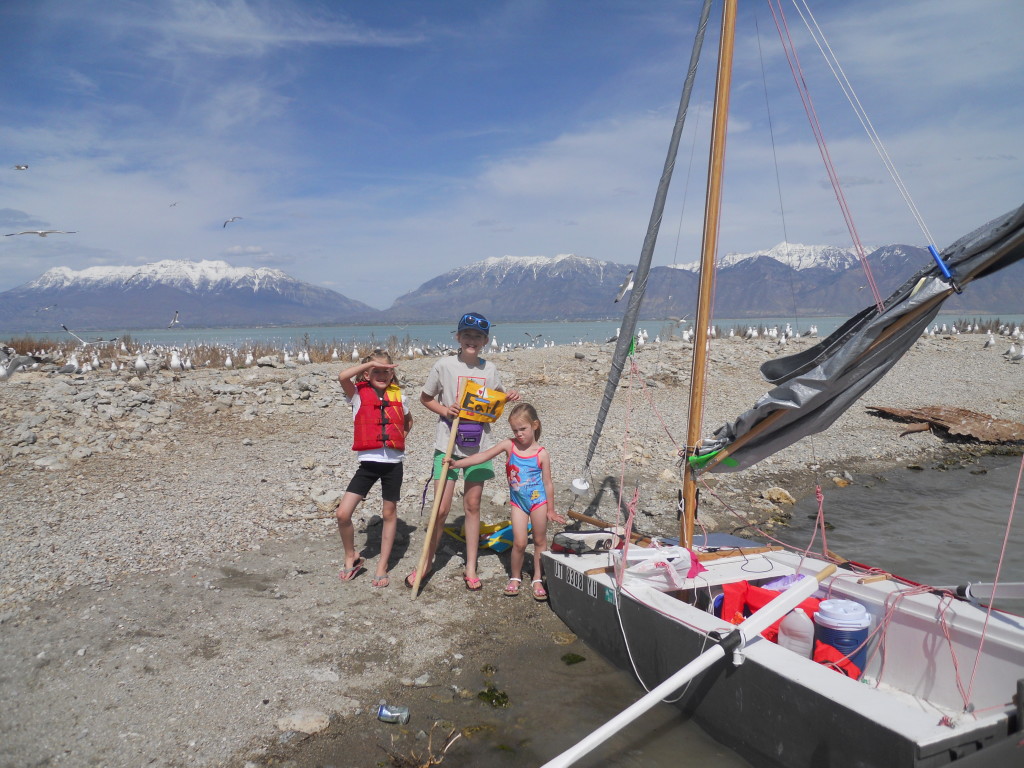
{"type": "Point", "coordinates": [761, 708]}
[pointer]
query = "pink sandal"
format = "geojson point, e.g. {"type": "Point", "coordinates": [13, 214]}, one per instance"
{"type": "Point", "coordinates": [512, 588]}
{"type": "Point", "coordinates": [539, 593]}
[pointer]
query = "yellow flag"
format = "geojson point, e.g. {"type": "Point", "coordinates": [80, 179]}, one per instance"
{"type": "Point", "coordinates": [480, 403]}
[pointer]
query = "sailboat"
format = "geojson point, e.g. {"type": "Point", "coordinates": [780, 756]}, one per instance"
{"type": "Point", "coordinates": [901, 675]}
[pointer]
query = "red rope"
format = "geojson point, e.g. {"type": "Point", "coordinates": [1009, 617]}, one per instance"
{"type": "Point", "coordinates": [812, 117]}
{"type": "Point", "coordinates": [995, 581]}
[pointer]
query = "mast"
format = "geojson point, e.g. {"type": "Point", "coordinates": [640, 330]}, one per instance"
{"type": "Point", "coordinates": [643, 268]}
{"type": "Point", "coordinates": [712, 213]}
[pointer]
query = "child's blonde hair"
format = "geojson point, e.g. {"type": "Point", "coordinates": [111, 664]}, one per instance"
{"type": "Point", "coordinates": [527, 411]}
{"type": "Point", "coordinates": [382, 356]}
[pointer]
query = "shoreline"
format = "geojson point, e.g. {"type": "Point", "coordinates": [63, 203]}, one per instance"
{"type": "Point", "coordinates": [169, 585]}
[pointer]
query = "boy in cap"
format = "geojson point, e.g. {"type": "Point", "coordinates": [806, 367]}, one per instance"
{"type": "Point", "coordinates": [440, 393]}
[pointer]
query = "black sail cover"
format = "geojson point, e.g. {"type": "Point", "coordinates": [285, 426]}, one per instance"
{"type": "Point", "coordinates": [814, 388]}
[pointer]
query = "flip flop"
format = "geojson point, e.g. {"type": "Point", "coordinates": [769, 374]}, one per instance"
{"type": "Point", "coordinates": [410, 580]}
{"type": "Point", "coordinates": [381, 581]}
{"type": "Point", "coordinates": [347, 574]}
{"type": "Point", "coordinates": [539, 593]}
{"type": "Point", "coordinates": [472, 584]}
{"type": "Point", "coordinates": [512, 588]}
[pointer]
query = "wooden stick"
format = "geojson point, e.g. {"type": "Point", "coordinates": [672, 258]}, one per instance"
{"type": "Point", "coordinates": [873, 579]}
{"type": "Point", "coordinates": [432, 520]}
{"type": "Point", "coordinates": [438, 495]}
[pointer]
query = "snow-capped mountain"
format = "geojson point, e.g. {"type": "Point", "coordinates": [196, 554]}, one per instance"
{"type": "Point", "coordinates": [784, 281]}
{"type": "Point", "coordinates": [794, 255]}
{"type": "Point", "coordinates": [564, 287]}
{"type": "Point", "coordinates": [191, 276]}
{"type": "Point", "coordinates": [204, 293]}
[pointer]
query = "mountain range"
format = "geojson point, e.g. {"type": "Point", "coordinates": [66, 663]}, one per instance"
{"type": "Point", "coordinates": [787, 280]}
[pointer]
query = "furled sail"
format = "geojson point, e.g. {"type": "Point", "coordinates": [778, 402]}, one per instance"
{"type": "Point", "coordinates": [817, 385]}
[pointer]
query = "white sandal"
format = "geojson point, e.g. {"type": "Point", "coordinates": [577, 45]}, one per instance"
{"type": "Point", "coordinates": [511, 590]}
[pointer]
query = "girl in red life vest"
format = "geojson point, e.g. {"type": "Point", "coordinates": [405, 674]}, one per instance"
{"type": "Point", "coordinates": [382, 421]}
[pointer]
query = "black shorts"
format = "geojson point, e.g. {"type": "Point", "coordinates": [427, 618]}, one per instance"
{"type": "Point", "coordinates": [369, 472]}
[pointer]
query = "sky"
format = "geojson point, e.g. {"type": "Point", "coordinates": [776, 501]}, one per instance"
{"type": "Point", "coordinates": [371, 146]}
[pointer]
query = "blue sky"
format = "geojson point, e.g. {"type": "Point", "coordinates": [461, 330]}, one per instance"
{"type": "Point", "coordinates": [370, 146]}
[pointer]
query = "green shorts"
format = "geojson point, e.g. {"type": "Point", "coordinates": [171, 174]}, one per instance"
{"type": "Point", "coordinates": [478, 473]}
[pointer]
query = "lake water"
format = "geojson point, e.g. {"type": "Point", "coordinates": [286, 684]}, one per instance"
{"type": "Point", "coordinates": [343, 336]}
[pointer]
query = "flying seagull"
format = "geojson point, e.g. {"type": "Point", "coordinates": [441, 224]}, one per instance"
{"type": "Point", "coordinates": [41, 232]}
{"type": "Point", "coordinates": [84, 342]}
{"type": "Point", "coordinates": [45, 309]}
{"type": "Point", "coordinates": [233, 218]}
{"type": "Point", "coordinates": [20, 167]}
{"type": "Point", "coordinates": [175, 321]}
{"type": "Point", "coordinates": [627, 284]}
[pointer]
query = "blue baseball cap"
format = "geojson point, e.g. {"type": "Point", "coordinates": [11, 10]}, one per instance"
{"type": "Point", "coordinates": [474, 321]}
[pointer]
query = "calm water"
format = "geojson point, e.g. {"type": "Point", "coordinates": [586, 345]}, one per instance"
{"type": "Point", "coordinates": [420, 335]}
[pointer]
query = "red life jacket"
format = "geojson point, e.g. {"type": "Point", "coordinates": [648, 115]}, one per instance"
{"type": "Point", "coordinates": [380, 421]}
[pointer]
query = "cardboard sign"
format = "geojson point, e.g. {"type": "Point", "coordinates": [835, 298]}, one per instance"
{"type": "Point", "coordinates": [480, 403]}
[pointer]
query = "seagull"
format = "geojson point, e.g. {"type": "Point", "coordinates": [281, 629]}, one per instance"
{"type": "Point", "coordinates": [20, 167]}
{"type": "Point", "coordinates": [141, 366]}
{"type": "Point", "coordinates": [626, 285]}
{"type": "Point", "coordinates": [83, 341]}
{"type": "Point", "coordinates": [176, 364]}
{"type": "Point", "coordinates": [45, 309]}
{"type": "Point", "coordinates": [233, 218]}
{"type": "Point", "coordinates": [532, 337]}
{"type": "Point", "coordinates": [173, 204]}
{"type": "Point", "coordinates": [9, 366]}
{"type": "Point", "coordinates": [71, 366]}
{"type": "Point", "coordinates": [175, 321]}
{"type": "Point", "coordinates": [41, 232]}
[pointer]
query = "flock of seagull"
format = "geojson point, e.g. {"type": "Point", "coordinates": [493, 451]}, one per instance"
{"type": "Point", "coordinates": [180, 359]}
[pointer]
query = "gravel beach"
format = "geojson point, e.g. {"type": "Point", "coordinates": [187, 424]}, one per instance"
{"type": "Point", "coordinates": [169, 557]}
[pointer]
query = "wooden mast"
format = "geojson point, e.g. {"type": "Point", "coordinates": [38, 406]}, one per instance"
{"type": "Point", "coordinates": [712, 212]}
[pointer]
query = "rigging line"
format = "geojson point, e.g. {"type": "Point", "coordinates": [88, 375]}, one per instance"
{"type": "Point", "coordinates": [995, 581]}
{"type": "Point", "coordinates": [805, 96]}
{"type": "Point", "coordinates": [862, 115]}
{"type": "Point", "coordinates": [775, 161]}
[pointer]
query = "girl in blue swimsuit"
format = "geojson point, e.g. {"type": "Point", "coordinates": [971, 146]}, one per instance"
{"type": "Point", "coordinates": [529, 481]}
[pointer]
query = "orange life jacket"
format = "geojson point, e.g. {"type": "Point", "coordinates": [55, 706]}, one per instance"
{"type": "Point", "coordinates": [380, 421]}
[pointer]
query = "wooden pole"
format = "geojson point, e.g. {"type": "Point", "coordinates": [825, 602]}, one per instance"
{"type": "Point", "coordinates": [712, 214]}
{"type": "Point", "coordinates": [438, 495]}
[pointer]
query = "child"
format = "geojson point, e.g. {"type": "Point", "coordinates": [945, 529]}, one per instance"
{"type": "Point", "coordinates": [382, 421]}
{"type": "Point", "coordinates": [440, 393]}
{"type": "Point", "coordinates": [533, 498]}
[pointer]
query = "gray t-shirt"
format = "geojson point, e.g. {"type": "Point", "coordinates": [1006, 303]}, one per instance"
{"type": "Point", "coordinates": [444, 384]}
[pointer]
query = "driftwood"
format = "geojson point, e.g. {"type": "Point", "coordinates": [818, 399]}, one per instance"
{"type": "Point", "coordinates": [957, 421]}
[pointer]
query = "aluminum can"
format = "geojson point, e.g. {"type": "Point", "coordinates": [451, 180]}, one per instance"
{"type": "Point", "coordinates": [392, 714]}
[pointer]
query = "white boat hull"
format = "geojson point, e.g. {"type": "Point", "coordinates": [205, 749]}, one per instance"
{"type": "Point", "coordinates": [778, 709]}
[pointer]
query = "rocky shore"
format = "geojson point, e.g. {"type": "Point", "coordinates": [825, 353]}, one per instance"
{"type": "Point", "coordinates": [168, 571]}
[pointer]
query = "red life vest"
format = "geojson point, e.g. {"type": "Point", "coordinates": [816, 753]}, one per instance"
{"type": "Point", "coordinates": [380, 421]}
